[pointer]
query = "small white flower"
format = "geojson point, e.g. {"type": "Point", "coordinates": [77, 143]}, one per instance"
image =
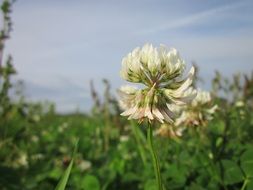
{"type": "Point", "coordinates": [21, 160]}
{"type": "Point", "coordinates": [198, 112]}
{"type": "Point", "coordinates": [239, 103]}
{"type": "Point", "coordinates": [124, 138]}
{"type": "Point", "coordinates": [84, 165]}
{"type": "Point", "coordinates": [202, 97]}
{"type": "Point", "coordinates": [171, 131]}
{"type": "Point", "coordinates": [161, 71]}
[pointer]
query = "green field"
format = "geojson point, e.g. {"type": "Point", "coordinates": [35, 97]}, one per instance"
{"type": "Point", "coordinates": [37, 144]}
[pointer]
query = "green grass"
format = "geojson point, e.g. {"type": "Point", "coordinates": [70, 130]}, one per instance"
{"type": "Point", "coordinates": [35, 153]}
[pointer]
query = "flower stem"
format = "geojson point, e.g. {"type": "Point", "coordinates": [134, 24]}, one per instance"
{"type": "Point", "coordinates": [245, 184]}
{"type": "Point", "coordinates": [154, 158]}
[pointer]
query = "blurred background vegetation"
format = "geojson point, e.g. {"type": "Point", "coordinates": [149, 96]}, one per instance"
{"type": "Point", "coordinates": [36, 142]}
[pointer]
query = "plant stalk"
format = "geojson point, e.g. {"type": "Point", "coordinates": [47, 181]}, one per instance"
{"type": "Point", "coordinates": [245, 184]}
{"type": "Point", "coordinates": [154, 158]}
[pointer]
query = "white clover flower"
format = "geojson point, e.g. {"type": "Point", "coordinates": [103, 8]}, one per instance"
{"type": "Point", "coordinates": [171, 131]}
{"type": "Point", "coordinates": [21, 160]}
{"type": "Point", "coordinates": [198, 112]}
{"type": "Point", "coordinates": [161, 71]}
{"type": "Point", "coordinates": [84, 165]}
{"type": "Point", "coordinates": [239, 103]}
{"type": "Point", "coordinates": [202, 97]}
{"type": "Point", "coordinates": [124, 138]}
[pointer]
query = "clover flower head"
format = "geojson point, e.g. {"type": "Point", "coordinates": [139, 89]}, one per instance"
{"type": "Point", "coordinates": [161, 72]}
{"type": "Point", "coordinates": [199, 112]}
{"type": "Point", "coordinates": [203, 97]}
{"type": "Point", "coordinates": [170, 131]}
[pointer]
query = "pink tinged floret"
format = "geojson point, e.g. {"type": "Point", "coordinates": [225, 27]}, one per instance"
{"type": "Point", "coordinates": [168, 115]}
{"type": "Point", "coordinates": [138, 114]}
{"type": "Point", "coordinates": [148, 113]}
{"type": "Point", "coordinates": [158, 114]}
{"type": "Point", "coordinates": [129, 111]}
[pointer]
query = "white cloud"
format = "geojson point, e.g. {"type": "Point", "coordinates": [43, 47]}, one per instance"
{"type": "Point", "coordinates": [196, 18]}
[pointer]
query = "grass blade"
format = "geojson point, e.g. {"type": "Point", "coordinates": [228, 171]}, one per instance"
{"type": "Point", "coordinates": [64, 179]}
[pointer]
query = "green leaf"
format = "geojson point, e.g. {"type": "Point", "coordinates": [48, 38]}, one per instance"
{"type": "Point", "coordinates": [5, 6]}
{"type": "Point", "coordinates": [55, 173]}
{"type": "Point", "coordinates": [250, 185]}
{"type": "Point", "coordinates": [63, 182]}
{"type": "Point", "coordinates": [117, 165]}
{"type": "Point", "coordinates": [232, 172]}
{"type": "Point", "coordinates": [195, 186]}
{"type": "Point", "coordinates": [90, 182]}
{"type": "Point", "coordinates": [219, 141]}
{"type": "Point", "coordinates": [178, 175]}
{"type": "Point", "coordinates": [150, 185]}
{"type": "Point", "coordinates": [218, 127]}
{"type": "Point", "coordinates": [247, 163]}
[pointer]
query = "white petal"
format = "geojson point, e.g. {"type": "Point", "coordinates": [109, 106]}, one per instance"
{"type": "Point", "coordinates": [168, 115]}
{"type": "Point", "coordinates": [158, 114]}
{"type": "Point", "coordinates": [148, 113]}
{"type": "Point", "coordinates": [138, 114]}
{"type": "Point", "coordinates": [186, 84]}
{"type": "Point", "coordinates": [129, 111]}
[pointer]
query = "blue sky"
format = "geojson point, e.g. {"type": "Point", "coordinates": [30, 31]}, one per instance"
{"type": "Point", "coordinates": [59, 46]}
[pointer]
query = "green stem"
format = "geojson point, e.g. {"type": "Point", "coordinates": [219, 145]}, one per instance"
{"type": "Point", "coordinates": [244, 184]}
{"type": "Point", "coordinates": [154, 158]}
